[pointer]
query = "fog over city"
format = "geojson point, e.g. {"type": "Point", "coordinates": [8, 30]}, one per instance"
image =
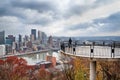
{"type": "Point", "coordinates": [61, 17]}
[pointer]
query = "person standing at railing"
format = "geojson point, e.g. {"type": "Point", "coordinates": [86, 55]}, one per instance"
{"type": "Point", "coordinates": [62, 47]}
{"type": "Point", "coordinates": [70, 42]}
{"type": "Point", "coordinates": [70, 45]}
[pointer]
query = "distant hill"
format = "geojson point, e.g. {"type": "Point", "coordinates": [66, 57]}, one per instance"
{"type": "Point", "coordinates": [109, 38]}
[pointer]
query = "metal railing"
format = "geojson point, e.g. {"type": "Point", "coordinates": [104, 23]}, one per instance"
{"type": "Point", "coordinates": [94, 50]}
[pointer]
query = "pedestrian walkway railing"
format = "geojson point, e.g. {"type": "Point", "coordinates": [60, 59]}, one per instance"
{"type": "Point", "coordinates": [94, 51]}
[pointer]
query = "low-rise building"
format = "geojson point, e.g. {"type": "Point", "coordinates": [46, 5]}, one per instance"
{"type": "Point", "coordinates": [2, 50]}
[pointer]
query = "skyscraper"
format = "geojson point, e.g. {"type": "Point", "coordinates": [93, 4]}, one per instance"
{"type": "Point", "coordinates": [33, 32]}
{"type": "Point", "coordinates": [19, 42]}
{"type": "Point", "coordinates": [2, 37]}
{"type": "Point", "coordinates": [10, 39]}
{"type": "Point", "coordinates": [39, 35]}
{"type": "Point", "coordinates": [20, 38]}
{"type": "Point", "coordinates": [32, 37]}
{"type": "Point", "coordinates": [50, 41]}
{"type": "Point", "coordinates": [44, 38]}
{"type": "Point", "coordinates": [26, 38]}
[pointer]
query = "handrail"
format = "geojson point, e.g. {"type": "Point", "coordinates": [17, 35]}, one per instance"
{"type": "Point", "coordinates": [94, 51]}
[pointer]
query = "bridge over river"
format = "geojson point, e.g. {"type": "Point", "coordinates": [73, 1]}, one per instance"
{"type": "Point", "coordinates": [29, 53]}
{"type": "Point", "coordinates": [94, 52]}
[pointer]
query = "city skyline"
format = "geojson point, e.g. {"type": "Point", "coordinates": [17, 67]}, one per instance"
{"type": "Point", "coordinates": [61, 18]}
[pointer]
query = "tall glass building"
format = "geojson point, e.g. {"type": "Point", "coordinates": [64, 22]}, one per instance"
{"type": "Point", "coordinates": [33, 32]}
{"type": "Point", "coordinates": [2, 37]}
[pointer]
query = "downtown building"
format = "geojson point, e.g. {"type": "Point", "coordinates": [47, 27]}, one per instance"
{"type": "Point", "coordinates": [2, 43]}
{"type": "Point", "coordinates": [50, 41]}
{"type": "Point", "coordinates": [33, 34]}
{"type": "Point", "coordinates": [10, 44]}
{"type": "Point", "coordinates": [42, 37]}
{"type": "Point", "coordinates": [2, 37]}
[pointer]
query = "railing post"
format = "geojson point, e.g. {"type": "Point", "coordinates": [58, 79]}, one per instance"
{"type": "Point", "coordinates": [113, 50]}
{"type": "Point", "coordinates": [92, 50]}
{"type": "Point", "coordinates": [74, 50]}
{"type": "Point", "coordinates": [112, 53]}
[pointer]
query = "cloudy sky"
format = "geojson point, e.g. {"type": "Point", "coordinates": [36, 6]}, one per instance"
{"type": "Point", "coordinates": [61, 17]}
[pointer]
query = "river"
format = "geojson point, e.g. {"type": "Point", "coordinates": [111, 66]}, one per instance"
{"type": "Point", "coordinates": [32, 59]}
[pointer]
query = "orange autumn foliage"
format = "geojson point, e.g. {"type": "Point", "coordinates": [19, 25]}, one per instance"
{"type": "Point", "coordinates": [76, 69]}
{"type": "Point", "coordinates": [14, 68]}
{"type": "Point", "coordinates": [43, 74]}
{"type": "Point", "coordinates": [109, 70]}
{"type": "Point", "coordinates": [81, 66]}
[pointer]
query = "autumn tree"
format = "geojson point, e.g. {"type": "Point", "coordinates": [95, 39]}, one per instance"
{"type": "Point", "coordinates": [14, 68]}
{"type": "Point", "coordinates": [43, 75]}
{"type": "Point", "coordinates": [77, 69]}
{"type": "Point", "coordinates": [109, 70]}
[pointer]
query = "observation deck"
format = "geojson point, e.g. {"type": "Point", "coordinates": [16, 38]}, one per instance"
{"type": "Point", "coordinates": [103, 51]}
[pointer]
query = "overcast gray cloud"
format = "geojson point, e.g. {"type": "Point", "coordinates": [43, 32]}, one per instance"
{"type": "Point", "coordinates": [36, 5]}
{"type": "Point", "coordinates": [75, 17]}
{"type": "Point", "coordinates": [109, 24]}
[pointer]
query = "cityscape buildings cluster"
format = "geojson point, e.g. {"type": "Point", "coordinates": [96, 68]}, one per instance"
{"type": "Point", "coordinates": [37, 40]}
